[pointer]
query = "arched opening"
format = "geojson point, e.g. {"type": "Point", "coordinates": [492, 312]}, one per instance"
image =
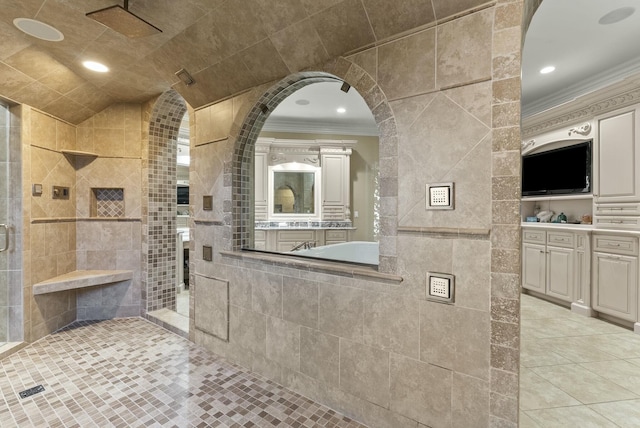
{"type": "Point", "coordinates": [594, 83]}
{"type": "Point", "coordinates": [159, 271]}
{"type": "Point", "coordinates": [243, 183]}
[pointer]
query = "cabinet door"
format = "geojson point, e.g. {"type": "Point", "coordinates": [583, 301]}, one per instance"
{"type": "Point", "coordinates": [560, 274]}
{"type": "Point", "coordinates": [617, 159]}
{"type": "Point", "coordinates": [260, 179]}
{"type": "Point", "coordinates": [615, 285]}
{"type": "Point", "coordinates": [533, 267]}
{"type": "Point", "coordinates": [333, 179]}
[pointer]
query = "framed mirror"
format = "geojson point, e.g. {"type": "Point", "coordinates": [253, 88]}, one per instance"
{"type": "Point", "coordinates": [295, 191]}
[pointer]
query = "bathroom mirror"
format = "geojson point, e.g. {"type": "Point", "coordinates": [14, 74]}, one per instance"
{"type": "Point", "coordinates": [294, 190]}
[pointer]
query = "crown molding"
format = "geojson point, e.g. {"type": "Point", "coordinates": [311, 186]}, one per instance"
{"type": "Point", "coordinates": [319, 127]}
{"type": "Point", "coordinates": [597, 82]}
{"type": "Point", "coordinates": [618, 95]}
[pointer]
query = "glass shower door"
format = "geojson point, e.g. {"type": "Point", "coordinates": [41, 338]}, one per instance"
{"type": "Point", "coordinates": [10, 212]}
{"type": "Point", "coordinates": [4, 227]}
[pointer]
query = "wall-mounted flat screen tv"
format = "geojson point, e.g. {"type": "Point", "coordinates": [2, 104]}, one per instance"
{"type": "Point", "coordinates": [562, 171]}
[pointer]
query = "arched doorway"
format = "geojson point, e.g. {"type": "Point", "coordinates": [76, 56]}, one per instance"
{"type": "Point", "coordinates": [159, 271]}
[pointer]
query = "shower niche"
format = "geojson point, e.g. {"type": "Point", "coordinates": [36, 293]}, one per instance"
{"type": "Point", "coordinates": [107, 202]}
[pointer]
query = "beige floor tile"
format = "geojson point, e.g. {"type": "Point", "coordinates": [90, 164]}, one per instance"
{"type": "Point", "coordinates": [558, 327]}
{"type": "Point", "coordinates": [577, 349]}
{"type": "Point", "coordinates": [625, 414]}
{"type": "Point", "coordinates": [569, 417]}
{"type": "Point", "coordinates": [526, 422]}
{"type": "Point", "coordinates": [530, 309]}
{"type": "Point", "coordinates": [538, 393]}
{"type": "Point", "coordinates": [623, 345]}
{"type": "Point", "coordinates": [585, 386]}
{"type": "Point", "coordinates": [536, 352]}
{"type": "Point", "coordinates": [620, 372]}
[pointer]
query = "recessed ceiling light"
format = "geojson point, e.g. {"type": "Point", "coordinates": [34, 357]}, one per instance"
{"type": "Point", "coordinates": [341, 110]}
{"type": "Point", "coordinates": [95, 66]}
{"type": "Point", "coordinates": [303, 102]}
{"type": "Point", "coordinates": [616, 15]}
{"type": "Point", "coordinates": [38, 29]}
{"type": "Point", "coordinates": [548, 69]}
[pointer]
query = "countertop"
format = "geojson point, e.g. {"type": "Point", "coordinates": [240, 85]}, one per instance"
{"type": "Point", "coordinates": [580, 228]}
{"type": "Point", "coordinates": [303, 225]}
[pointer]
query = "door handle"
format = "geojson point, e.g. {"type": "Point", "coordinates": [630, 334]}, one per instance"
{"type": "Point", "coordinates": [6, 237]}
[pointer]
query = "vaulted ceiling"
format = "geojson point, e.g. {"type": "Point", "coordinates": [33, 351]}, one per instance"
{"type": "Point", "coordinates": [226, 45]}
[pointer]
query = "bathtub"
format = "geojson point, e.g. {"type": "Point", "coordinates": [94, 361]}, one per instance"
{"type": "Point", "coordinates": [355, 251]}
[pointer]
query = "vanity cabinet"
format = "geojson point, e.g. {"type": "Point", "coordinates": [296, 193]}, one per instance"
{"type": "Point", "coordinates": [534, 265]}
{"type": "Point", "coordinates": [615, 275]}
{"type": "Point", "coordinates": [554, 263]}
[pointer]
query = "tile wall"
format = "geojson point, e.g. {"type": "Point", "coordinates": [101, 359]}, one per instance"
{"type": "Point", "coordinates": [162, 120]}
{"type": "Point", "coordinates": [446, 100]}
{"type": "Point", "coordinates": [62, 234]}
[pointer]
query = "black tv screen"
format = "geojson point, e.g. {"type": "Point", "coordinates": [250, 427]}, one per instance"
{"type": "Point", "coordinates": [558, 172]}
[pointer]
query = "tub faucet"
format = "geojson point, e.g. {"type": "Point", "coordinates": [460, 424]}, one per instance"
{"type": "Point", "coordinates": [304, 245]}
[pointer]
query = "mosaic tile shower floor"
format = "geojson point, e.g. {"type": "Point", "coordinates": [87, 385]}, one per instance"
{"type": "Point", "coordinates": [131, 373]}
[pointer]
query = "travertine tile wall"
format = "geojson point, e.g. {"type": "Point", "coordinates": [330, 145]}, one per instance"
{"type": "Point", "coordinates": [49, 225]}
{"type": "Point", "coordinates": [115, 135]}
{"type": "Point", "coordinates": [446, 100]}
{"type": "Point", "coordinates": [60, 235]}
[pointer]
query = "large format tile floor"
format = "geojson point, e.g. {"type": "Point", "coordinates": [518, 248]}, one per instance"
{"type": "Point", "coordinates": [131, 373]}
{"type": "Point", "coordinates": [576, 371]}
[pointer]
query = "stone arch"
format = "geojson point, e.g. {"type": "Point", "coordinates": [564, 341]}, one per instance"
{"type": "Point", "coordinates": [159, 203]}
{"type": "Point", "coordinates": [246, 129]}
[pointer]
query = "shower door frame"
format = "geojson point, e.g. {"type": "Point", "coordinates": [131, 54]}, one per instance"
{"type": "Point", "coordinates": [11, 278]}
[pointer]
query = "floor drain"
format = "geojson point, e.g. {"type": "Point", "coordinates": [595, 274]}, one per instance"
{"type": "Point", "coordinates": [31, 391]}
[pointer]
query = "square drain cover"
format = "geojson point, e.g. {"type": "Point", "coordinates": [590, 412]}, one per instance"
{"type": "Point", "coordinates": [31, 391]}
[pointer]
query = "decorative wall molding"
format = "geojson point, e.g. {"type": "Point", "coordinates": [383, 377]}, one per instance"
{"type": "Point", "coordinates": [584, 129]}
{"type": "Point", "coordinates": [579, 111]}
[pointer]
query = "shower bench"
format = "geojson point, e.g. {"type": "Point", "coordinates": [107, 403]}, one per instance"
{"type": "Point", "coordinates": [81, 279]}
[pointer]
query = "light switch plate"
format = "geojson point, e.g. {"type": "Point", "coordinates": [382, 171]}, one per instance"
{"type": "Point", "coordinates": [440, 287]}
{"type": "Point", "coordinates": [207, 202]}
{"type": "Point", "coordinates": [36, 190]}
{"type": "Point", "coordinates": [207, 253]}
{"type": "Point", "coordinates": [439, 196]}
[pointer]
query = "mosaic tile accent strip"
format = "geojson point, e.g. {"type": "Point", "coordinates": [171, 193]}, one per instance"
{"type": "Point", "coordinates": [159, 272]}
{"type": "Point", "coordinates": [129, 372]}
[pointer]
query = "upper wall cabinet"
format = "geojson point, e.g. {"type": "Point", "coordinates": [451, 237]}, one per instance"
{"type": "Point", "coordinates": [335, 184]}
{"type": "Point", "coordinates": [617, 170]}
{"type": "Point", "coordinates": [617, 158]}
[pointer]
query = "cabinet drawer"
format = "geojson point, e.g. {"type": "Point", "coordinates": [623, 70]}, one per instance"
{"type": "Point", "coordinates": [296, 235]}
{"type": "Point", "coordinates": [560, 239]}
{"type": "Point", "coordinates": [260, 235]}
{"type": "Point", "coordinates": [261, 213]}
{"type": "Point", "coordinates": [617, 222]}
{"type": "Point", "coordinates": [336, 235]}
{"type": "Point", "coordinates": [615, 244]}
{"type": "Point", "coordinates": [534, 236]}
{"type": "Point", "coordinates": [617, 209]}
